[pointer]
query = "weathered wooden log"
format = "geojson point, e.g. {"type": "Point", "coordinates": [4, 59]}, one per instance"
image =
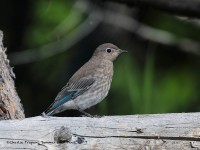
{"type": "Point", "coordinates": [136, 132]}
{"type": "Point", "coordinates": [10, 106]}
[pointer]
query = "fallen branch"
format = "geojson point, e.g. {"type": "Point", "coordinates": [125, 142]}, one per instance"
{"type": "Point", "coordinates": [162, 131]}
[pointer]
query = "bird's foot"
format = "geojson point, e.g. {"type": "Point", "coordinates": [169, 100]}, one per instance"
{"type": "Point", "coordinates": [92, 116]}
{"type": "Point", "coordinates": [85, 113]}
{"type": "Point", "coordinates": [97, 116]}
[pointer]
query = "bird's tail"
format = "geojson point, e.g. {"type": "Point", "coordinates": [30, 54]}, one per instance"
{"type": "Point", "coordinates": [47, 112]}
{"type": "Point", "coordinates": [51, 110]}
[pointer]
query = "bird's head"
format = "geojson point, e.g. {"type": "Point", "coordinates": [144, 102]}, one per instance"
{"type": "Point", "coordinates": [108, 51]}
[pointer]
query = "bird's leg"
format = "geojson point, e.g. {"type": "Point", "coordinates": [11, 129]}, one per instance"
{"type": "Point", "coordinates": [85, 113]}
{"type": "Point", "coordinates": [82, 111]}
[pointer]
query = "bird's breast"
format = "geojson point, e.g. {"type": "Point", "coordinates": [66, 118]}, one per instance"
{"type": "Point", "coordinates": [105, 68]}
{"type": "Point", "coordinates": [98, 91]}
{"type": "Point", "coordinates": [102, 74]}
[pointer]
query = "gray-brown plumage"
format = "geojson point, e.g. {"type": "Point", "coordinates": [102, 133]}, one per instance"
{"type": "Point", "coordinates": [90, 84]}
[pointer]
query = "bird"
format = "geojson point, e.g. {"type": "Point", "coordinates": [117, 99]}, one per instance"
{"type": "Point", "coordinates": [89, 85]}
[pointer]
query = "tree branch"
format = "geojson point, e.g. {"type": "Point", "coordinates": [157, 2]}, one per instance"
{"type": "Point", "coordinates": [152, 34]}
{"type": "Point", "coordinates": [188, 8]}
{"type": "Point", "coordinates": [10, 106]}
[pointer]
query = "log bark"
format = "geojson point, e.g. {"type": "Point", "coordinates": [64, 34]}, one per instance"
{"type": "Point", "coordinates": [10, 106]}
{"type": "Point", "coordinates": [188, 8]}
{"type": "Point", "coordinates": [136, 132]}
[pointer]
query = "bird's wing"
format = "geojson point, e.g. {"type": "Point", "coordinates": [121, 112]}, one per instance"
{"type": "Point", "coordinates": [70, 91]}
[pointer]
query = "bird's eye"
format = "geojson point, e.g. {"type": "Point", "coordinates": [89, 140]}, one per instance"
{"type": "Point", "coordinates": [108, 50]}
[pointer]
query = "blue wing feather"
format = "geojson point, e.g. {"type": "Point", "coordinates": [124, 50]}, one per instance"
{"type": "Point", "coordinates": [63, 100]}
{"type": "Point", "coordinates": [70, 92]}
{"type": "Point", "coordinates": [59, 102]}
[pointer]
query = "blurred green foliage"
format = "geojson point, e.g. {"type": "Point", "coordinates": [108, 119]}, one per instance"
{"type": "Point", "coordinates": [151, 78]}
{"type": "Point", "coordinates": [51, 20]}
{"type": "Point", "coordinates": [142, 91]}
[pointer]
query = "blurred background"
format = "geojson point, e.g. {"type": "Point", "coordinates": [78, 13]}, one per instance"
{"type": "Point", "coordinates": [48, 40]}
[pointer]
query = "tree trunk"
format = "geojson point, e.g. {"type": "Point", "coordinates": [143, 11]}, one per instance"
{"type": "Point", "coordinates": [137, 132]}
{"type": "Point", "coordinates": [10, 106]}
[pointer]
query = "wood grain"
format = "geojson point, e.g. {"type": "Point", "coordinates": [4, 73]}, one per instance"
{"type": "Point", "coordinates": [136, 132]}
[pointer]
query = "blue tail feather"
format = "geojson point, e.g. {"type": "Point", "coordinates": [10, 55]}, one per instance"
{"type": "Point", "coordinates": [58, 103]}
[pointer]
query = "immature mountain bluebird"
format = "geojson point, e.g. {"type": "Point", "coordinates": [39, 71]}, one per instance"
{"type": "Point", "coordinates": [90, 84]}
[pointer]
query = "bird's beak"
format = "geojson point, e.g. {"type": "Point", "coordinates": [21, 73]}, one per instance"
{"type": "Point", "coordinates": [118, 52]}
{"type": "Point", "coordinates": [122, 51]}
